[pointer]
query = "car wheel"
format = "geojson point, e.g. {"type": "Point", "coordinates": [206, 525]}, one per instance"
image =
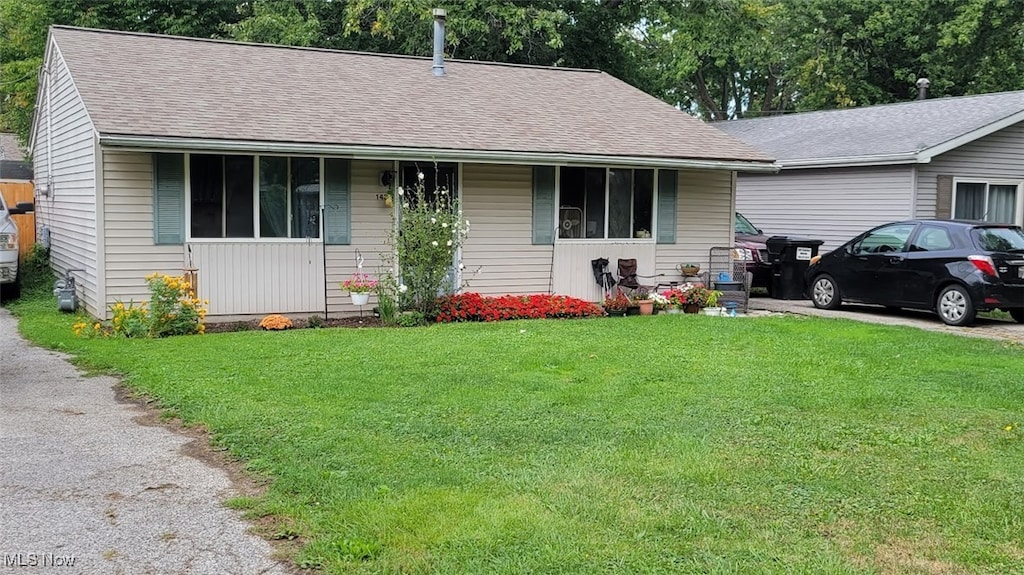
{"type": "Point", "coordinates": [1017, 314]}
{"type": "Point", "coordinates": [825, 292]}
{"type": "Point", "coordinates": [10, 291]}
{"type": "Point", "coordinates": [955, 306]}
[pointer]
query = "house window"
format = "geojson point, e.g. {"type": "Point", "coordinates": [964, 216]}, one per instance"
{"type": "Point", "coordinates": [221, 196]}
{"type": "Point", "coordinates": [289, 196]}
{"type": "Point", "coordinates": [226, 202]}
{"type": "Point", "coordinates": [997, 202]}
{"type": "Point", "coordinates": [599, 203]}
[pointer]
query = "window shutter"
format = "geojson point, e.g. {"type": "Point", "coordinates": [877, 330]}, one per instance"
{"type": "Point", "coordinates": [944, 197]}
{"type": "Point", "coordinates": [168, 199]}
{"type": "Point", "coordinates": [543, 205]}
{"type": "Point", "coordinates": [667, 180]}
{"type": "Point", "coordinates": [337, 201]}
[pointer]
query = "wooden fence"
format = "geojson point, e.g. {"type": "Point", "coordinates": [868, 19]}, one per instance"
{"type": "Point", "coordinates": [15, 192]}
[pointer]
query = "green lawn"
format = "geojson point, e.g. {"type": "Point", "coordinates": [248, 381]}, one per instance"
{"type": "Point", "coordinates": [670, 444]}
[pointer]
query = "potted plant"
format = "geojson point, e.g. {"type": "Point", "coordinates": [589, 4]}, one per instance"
{"type": "Point", "coordinates": [642, 299]}
{"type": "Point", "coordinates": [359, 287]}
{"type": "Point", "coordinates": [616, 304]}
{"type": "Point", "coordinates": [660, 302]}
{"type": "Point", "coordinates": [711, 303]}
{"type": "Point", "coordinates": [689, 270]}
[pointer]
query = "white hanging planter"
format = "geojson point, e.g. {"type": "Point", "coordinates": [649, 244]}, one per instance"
{"type": "Point", "coordinates": [360, 298]}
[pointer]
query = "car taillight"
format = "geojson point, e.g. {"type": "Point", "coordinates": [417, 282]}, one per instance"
{"type": "Point", "coordinates": [9, 241]}
{"type": "Point", "coordinates": [984, 264]}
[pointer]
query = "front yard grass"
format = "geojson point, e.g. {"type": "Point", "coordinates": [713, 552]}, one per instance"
{"type": "Point", "coordinates": [667, 444]}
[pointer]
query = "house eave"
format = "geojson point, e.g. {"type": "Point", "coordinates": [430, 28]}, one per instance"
{"type": "Point", "coordinates": [150, 143]}
{"type": "Point", "coordinates": [856, 161]}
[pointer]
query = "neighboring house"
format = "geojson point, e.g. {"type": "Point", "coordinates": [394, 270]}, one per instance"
{"type": "Point", "coordinates": [844, 171]}
{"type": "Point", "coordinates": [13, 165]}
{"type": "Point", "coordinates": [265, 168]}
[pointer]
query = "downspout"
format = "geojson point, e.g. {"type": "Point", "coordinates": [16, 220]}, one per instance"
{"type": "Point", "coordinates": [439, 20]}
{"type": "Point", "coordinates": [323, 245]}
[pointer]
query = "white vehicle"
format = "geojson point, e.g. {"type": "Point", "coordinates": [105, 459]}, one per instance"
{"type": "Point", "coordinates": [10, 280]}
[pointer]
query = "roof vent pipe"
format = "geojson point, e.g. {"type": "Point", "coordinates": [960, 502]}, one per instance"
{"type": "Point", "coordinates": [439, 17]}
{"type": "Point", "coordinates": [922, 88]}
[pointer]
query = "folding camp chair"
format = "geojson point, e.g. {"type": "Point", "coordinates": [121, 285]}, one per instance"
{"type": "Point", "coordinates": [602, 276]}
{"type": "Point", "coordinates": [629, 281]}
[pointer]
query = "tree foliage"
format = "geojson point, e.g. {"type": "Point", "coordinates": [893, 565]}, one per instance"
{"type": "Point", "coordinates": [715, 58]}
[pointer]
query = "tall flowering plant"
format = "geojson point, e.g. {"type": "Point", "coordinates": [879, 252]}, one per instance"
{"type": "Point", "coordinates": [359, 283]}
{"type": "Point", "coordinates": [425, 239]}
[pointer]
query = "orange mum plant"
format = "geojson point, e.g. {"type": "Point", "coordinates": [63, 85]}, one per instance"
{"type": "Point", "coordinates": [275, 321]}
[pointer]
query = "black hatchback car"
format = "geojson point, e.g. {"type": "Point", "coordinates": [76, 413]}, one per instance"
{"type": "Point", "coordinates": [956, 268]}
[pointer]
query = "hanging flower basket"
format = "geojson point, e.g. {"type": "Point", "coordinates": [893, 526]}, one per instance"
{"type": "Point", "coordinates": [360, 298]}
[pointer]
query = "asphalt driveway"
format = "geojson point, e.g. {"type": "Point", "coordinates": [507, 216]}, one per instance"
{"type": "Point", "coordinates": [986, 328]}
{"type": "Point", "coordinates": [87, 487]}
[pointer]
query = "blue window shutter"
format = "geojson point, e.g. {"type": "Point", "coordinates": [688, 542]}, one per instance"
{"type": "Point", "coordinates": [543, 205]}
{"type": "Point", "coordinates": [667, 181]}
{"type": "Point", "coordinates": [337, 201]}
{"type": "Point", "coordinates": [168, 199]}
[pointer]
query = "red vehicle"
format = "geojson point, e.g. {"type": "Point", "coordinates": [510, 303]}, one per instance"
{"type": "Point", "coordinates": [750, 238]}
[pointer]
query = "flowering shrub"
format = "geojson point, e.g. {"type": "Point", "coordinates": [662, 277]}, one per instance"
{"type": "Point", "coordinates": [425, 239]}
{"type": "Point", "coordinates": [475, 307]}
{"type": "Point", "coordinates": [130, 320]}
{"type": "Point", "coordinates": [359, 283]}
{"type": "Point", "coordinates": [617, 302]}
{"type": "Point", "coordinates": [275, 321]}
{"type": "Point", "coordinates": [172, 310]}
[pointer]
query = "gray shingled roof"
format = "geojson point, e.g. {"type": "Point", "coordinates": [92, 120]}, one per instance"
{"type": "Point", "coordinates": [902, 129]}
{"type": "Point", "coordinates": [9, 149]}
{"type": "Point", "coordinates": [163, 86]}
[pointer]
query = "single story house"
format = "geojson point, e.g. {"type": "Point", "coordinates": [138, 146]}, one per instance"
{"type": "Point", "coordinates": [266, 167]}
{"type": "Point", "coordinates": [845, 171]}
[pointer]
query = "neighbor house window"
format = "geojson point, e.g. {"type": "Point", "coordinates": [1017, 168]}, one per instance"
{"type": "Point", "coordinates": [987, 201]}
{"type": "Point", "coordinates": [598, 203]}
{"type": "Point", "coordinates": [235, 196]}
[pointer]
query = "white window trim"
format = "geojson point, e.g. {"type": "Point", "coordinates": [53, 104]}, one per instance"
{"type": "Point", "coordinates": [607, 183]}
{"type": "Point", "coordinates": [256, 202]}
{"type": "Point", "coordinates": [1018, 217]}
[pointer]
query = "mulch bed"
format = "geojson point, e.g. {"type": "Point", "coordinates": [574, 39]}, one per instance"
{"type": "Point", "coordinates": [254, 324]}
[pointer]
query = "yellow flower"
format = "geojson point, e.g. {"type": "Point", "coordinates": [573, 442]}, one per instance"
{"type": "Point", "coordinates": [1009, 427]}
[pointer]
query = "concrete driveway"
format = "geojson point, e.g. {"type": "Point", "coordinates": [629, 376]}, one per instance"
{"type": "Point", "coordinates": [86, 488]}
{"type": "Point", "coordinates": [986, 328]}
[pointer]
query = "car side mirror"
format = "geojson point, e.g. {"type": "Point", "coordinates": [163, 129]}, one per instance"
{"type": "Point", "coordinates": [21, 208]}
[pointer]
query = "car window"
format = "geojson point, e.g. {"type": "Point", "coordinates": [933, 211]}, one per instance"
{"type": "Point", "coordinates": [932, 238]}
{"type": "Point", "coordinates": [892, 238]}
{"type": "Point", "coordinates": [999, 239]}
{"type": "Point", "coordinates": [743, 226]}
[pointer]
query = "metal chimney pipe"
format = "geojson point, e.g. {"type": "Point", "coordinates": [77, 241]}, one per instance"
{"type": "Point", "coordinates": [922, 88]}
{"type": "Point", "coordinates": [439, 18]}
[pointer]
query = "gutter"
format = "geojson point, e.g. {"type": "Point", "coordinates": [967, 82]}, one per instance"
{"type": "Point", "coordinates": [851, 161]}
{"type": "Point", "coordinates": [148, 143]}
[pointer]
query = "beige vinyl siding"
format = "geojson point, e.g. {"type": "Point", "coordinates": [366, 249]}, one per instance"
{"type": "Point", "coordinates": [499, 254]}
{"type": "Point", "coordinates": [128, 228]}
{"type": "Point", "coordinates": [998, 156]}
{"type": "Point", "coordinates": [704, 219]}
{"type": "Point", "coordinates": [69, 211]}
{"type": "Point", "coordinates": [371, 222]}
{"type": "Point", "coordinates": [829, 204]}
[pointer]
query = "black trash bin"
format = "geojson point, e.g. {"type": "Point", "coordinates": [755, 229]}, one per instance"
{"type": "Point", "coordinates": [790, 258]}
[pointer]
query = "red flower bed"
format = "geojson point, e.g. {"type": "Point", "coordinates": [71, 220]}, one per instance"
{"type": "Point", "coordinates": [475, 307]}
